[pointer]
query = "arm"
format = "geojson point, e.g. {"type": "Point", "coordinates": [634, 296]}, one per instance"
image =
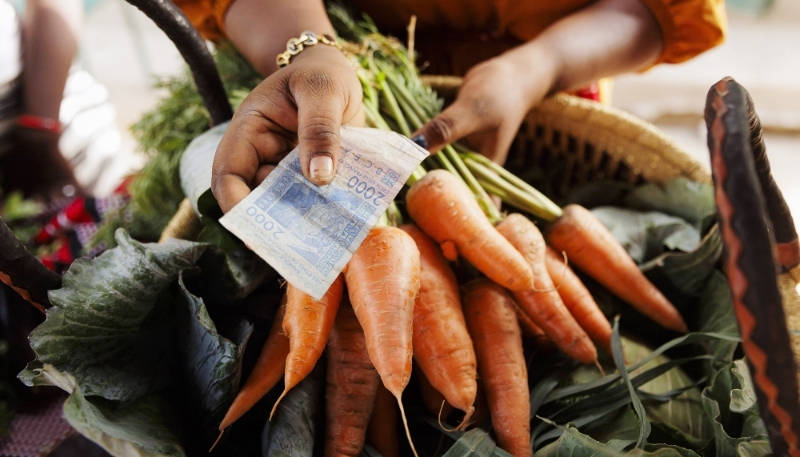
{"type": "Point", "coordinates": [50, 34]}
{"type": "Point", "coordinates": [50, 42]}
{"type": "Point", "coordinates": [604, 39]}
{"type": "Point", "coordinates": [304, 103]}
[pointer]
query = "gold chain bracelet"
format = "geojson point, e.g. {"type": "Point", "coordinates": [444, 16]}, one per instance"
{"type": "Point", "coordinates": [297, 45]}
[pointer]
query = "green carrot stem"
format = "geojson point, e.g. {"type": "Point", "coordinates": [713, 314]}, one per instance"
{"type": "Point", "coordinates": [394, 214]}
{"type": "Point", "coordinates": [416, 175]}
{"type": "Point", "coordinates": [447, 165]}
{"type": "Point", "coordinates": [403, 94]}
{"type": "Point", "coordinates": [545, 202]}
{"type": "Point", "coordinates": [507, 197]}
{"type": "Point", "coordinates": [486, 203]}
{"type": "Point", "coordinates": [394, 108]}
{"type": "Point", "coordinates": [490, 176]}
{"type": "Point", "coordinates": [374, 118]}
{"type": "Point", "coordinates": [409, 112]}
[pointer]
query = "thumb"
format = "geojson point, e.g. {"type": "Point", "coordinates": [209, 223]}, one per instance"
{"type": "Point", "coordinates": [452, 124]}
{"type": "Point", "coordinates": [319, 120]}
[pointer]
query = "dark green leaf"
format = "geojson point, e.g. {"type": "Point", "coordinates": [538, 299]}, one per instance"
{"type": "Point", "coordinates": [112, 321]}
{"type": "Point", "coordinates": [619, 361]}
{"type": "Point", "coordinates": [647, 235]}
{"type": "Point", "coordinates": [290, 433]}
{"type": "Point", "coordinates": [211, 363]}
{"type": "Point", "coordinates": [573, 443]}
{"type": "Point", "coordinates": [136, 429]}
{"type": "Point", "coordinates": [474, 443]}
{"type": "Point", "coordinates": [688, 271]}
{"type": "Point", "coordinates": [716, 315]}
{"type": "Point", "coordinates": [679, 197]}
{"type": "Point", "coordinates": [730, 426]}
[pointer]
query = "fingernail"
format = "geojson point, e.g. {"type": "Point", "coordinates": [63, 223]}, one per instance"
{"type": "Point", "coordinates": [321, 167]}
{"type": "Point", "coordinates": [421, 141]}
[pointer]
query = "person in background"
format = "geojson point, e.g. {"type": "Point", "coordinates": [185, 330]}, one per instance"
{"type": "Point", "coordinates": [37, 53]}
{"type": "Point", "coordinates": [512, 55]}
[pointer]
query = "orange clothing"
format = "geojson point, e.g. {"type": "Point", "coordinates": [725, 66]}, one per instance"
{"type": "Point", "coordinates": [483, 28]}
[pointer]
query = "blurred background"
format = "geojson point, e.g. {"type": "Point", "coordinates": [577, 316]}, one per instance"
{"type": "Point", "coordinates": [124, 51]}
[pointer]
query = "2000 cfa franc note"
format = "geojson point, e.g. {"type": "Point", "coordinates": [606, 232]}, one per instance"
{"type": "Point", "coordinates": [309, 233]}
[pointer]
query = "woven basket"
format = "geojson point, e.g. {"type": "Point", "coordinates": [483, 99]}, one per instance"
{"type": "Point", "coordinates": [591, 142]}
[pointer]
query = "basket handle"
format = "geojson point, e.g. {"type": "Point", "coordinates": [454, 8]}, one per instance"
{"type": "Point", "coordinates": [171, 20]}
{"type": "Point", "coordinates": [21, 271]}
{"type": "Point", "coordinates": [746, 196]}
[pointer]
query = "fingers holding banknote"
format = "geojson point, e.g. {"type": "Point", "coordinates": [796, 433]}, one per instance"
{"type": "Point", "coordinates": [304, 104]}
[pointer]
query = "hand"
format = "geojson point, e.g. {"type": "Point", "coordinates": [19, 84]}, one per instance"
{"type": "Point", "coordinates": [307, 102]}
{"type": "Point", "coordinates": [491, 104]}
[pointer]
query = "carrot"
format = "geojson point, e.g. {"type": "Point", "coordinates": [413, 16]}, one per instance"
{"type": "Point", "coordinates": [307, 324]}
{"type": "Point", "coordinates": [383, 282]}
{"type": "Point", "coordinates": [445, 209]}
{"type": "Point", "coordinates": [528, 327]}
{"type": "Point", "coordinates": [589, 245]}
{"type": "Point", "coordinates": [267, 372]}
{"type": "Point", "coordinates": [578, 300]}
{"type": "Point", "coordinates": [433, 400]}
{"type": "Point", "coordinates": [442, 345]}
{"type": "Point", "coordinates": [352, 384]}
{"type": "Point", "coordinates": [492, 322]}
{"type": "Point", "coordinates": [383, 425]}
{"type": "Point", "coordinates": [542, 302]}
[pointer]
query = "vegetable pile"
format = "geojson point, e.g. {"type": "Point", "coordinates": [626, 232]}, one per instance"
{"type": "Point", "coordinates": [464, 323]}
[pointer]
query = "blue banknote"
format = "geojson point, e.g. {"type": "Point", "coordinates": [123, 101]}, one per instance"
{"type": "Point", "coordinates": [309, 233]}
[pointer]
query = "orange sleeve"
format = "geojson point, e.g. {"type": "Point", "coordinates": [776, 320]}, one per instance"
{"type": "Point", "coordinates": [689, 27]}
{"type": "Point", "coordinates": [207, 16]}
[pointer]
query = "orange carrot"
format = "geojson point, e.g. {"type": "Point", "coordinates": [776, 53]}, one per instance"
{"type": "Point", "coordinates": [578, 300]}
{"type": "Point", "coordinates": [267, 372]}
{"type": "Point", "coordinates": [492, 322]}
{"type": "Point", "coordinates": [383, 282]}
{"type": "Point", "coordinates": [307, 324]}
{"type": "Point", "coordinates": [446, 210]}
{"type": "Point", "coordinates": [589, 245]}
{"type": "Point", "coordinates": [442, 345]}
{"type": "Point", "coordinates": [528, 327]}
{"type": "Point", "coordinates": [433, 400]}
{"type": "Point", "coordinates": [352, 384]}
{"type": "Point", "coordinates": [383, 425]}
{"type": "Point", "coordinates": [542, 303]}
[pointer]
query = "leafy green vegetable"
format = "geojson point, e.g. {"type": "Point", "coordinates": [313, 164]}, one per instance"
{"type": "Point", "coordinates": [136, 429]}
{"type": "Point", "coordinates": [647, 235]}
{"type": "Point", "coordinates": [680, 197]}
{"type": "Point", "coordinates": [291, 431]}
{"type": "Point", "coordinates": [127, 332]}
{"type": "Point", "coordinates": [731, 389]}
{"type": "Point", "coordinates": [111, 322]}
{"type": "Point", "coordinates": [619, 361]}
{"type": "Point", "coordinates": [211, 363]}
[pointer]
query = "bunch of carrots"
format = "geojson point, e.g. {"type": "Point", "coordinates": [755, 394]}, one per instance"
{"type": "Point", "coordinates": [399, 303]}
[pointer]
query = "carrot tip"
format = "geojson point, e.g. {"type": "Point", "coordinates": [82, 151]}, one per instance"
{"type": "Point", "coordinates": [599, 367]}
{"type": "Point", "coordinates": [275, 407]}
{"type": "Point", "coordinates": [405, 424]}
{"type": "Point", "coordinates": [466, 421]}
{"type": "Point", "coordinates": [440, 420]}
{"type": "Point", "coordinates": [219, 437]}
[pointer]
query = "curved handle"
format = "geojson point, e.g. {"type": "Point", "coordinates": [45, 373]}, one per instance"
{"type": "Point", "coordinates": [750, 264]}
{"type": "Point", "coordinates": [21, 271]}
{"type": "Point", "coordinates": [190, 44]}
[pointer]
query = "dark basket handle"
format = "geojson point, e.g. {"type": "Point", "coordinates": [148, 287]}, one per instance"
{"type": "Point", "coordinates": [747, 200]}
{"type": "Point", "coordinates": [171, 20]}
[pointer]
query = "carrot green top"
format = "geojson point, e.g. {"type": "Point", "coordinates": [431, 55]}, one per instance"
{"type": "Point", "coordinates": [689, 27]}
